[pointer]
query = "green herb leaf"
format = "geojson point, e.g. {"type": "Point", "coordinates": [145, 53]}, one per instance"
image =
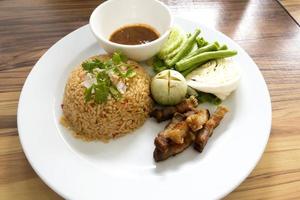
{"type": "Point", "coordinates": [91, 65]}
{"type": "Point", "coordinates": [101, 93]}
{"type": "Point", "coordinates": [125, 74]}
{"type": "Point", "coordinates": [108, 64]}
{"type": "Point", "coordinates": [123, 57]}
{"type": "Point", "coordinates": [158, 65]}
{"type": "Point", "coordinates": [130, 73]}
{"type": "Point", "coordinates": [87, 66]}
{"type": "Point", "coordinates": [116, 58]}
{"type": "Point", "coordinates": [104, 86]}
{"type": "Point", "coordinates": [207, 97]}
{"type": "Point", "coordinates": [216, 101]}
{"type": "Point", "coordinates": [115, 93]}
{"type": "Point", "coordinates": [103, 77]}
{"type": "Point", "coordinates": [119, 72]}
{"type": "Point", "coordinates": [88, 93]}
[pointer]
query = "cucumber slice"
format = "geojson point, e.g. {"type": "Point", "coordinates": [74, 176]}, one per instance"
{"type": "Point", "coordinates": [175, 51]}
{"type": "Point", "coordinates": [174, 41]}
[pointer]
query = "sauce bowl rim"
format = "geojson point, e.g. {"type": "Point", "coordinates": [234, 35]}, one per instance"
{"type": "Point", "coordinates": [161, 37]}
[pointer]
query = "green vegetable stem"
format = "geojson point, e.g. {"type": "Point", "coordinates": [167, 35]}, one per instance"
{"type": "Point", "coordinates": [223, 47]}
{"type": "Point", "coordinates": [189, 70]}
{"type": "Point", "coordinates": [174, 41]}
{"type": "Point", "coordinates": [210, 47]}
{"type": "Point", "coordinates": [201, 42]}
{"type": "Point", "coordinates": [185, 49]}
{"type": "Point", "coordinates": [202, 57]}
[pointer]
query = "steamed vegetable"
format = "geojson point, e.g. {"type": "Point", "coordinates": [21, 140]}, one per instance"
{"type": "Point", "coordinates": [168, 87]}
{"type": "Point", "coordinates": [158, 64]}
{"type": "Point", "coordinates": [185, 49]}
{"type": "Point", "coordinates": [202, 57]}
{"type": "Point", "coordinates": [185, 52]}
{"type": "Point", "coordinates": [189, 70]}
{"type": "Point", "coordinates": [175, 39]}
{"type": "Point", "coordinates": [201, 42]}
{"type": "Point", "coordinates": [207, 97]}
{"type": "Point", "coordinates": [203, 97]}
{"type": "Point", "coordinates": [219, 77]}
{"type": "Point", "coordinates": [223, 47]}
{"type": "Point", "coordinates": [210, 47]}
{"type": "Point", "coordinates": [175, 51]}
{"type": "Point", "coordinates": [193, 49]}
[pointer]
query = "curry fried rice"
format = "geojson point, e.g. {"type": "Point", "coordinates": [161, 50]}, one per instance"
{"type": "Point", "coordinates": [114, 118]}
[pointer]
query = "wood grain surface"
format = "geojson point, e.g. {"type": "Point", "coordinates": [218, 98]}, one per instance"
{"type": "Point", "coordinates": [262, 27]}
{"type": "Point", "coordinates": [293, 7]}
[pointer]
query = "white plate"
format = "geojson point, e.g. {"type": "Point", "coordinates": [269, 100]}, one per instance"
{"type": "Point", "coordinates": [124, 168]}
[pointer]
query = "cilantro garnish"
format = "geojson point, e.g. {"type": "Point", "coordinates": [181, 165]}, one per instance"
{"type": "Point", "coordinates": [107, 74]}
{"type": "Point", "coordinates": [101, 92]}
{"type": "Point", "coordinates": [89, 66]}
{"type": "Point", "coordinates": [114, 92]}
{"type": "Point", "coordinates": [88, 93]}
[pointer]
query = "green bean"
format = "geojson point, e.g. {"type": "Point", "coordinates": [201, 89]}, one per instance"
{"type": "Point", "coordinates": [223, 47]}
{"type": "Point", "coordinates": [189, 70]}
{"type": "Point", "coordinates": [195, 47]}
{"type": "Point", "coordinates": [201, 42]}
{"type": "Point", "coordinates": [210, 47]}
{"type": "Point", "coordinates": [205, 43]}
{"type": "Point", "coordinates": [202, 57]}
{"type": "Point", "coordinates": [185, 49]}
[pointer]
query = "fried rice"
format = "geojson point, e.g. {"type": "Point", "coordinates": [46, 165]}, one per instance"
{"type": "Point", "coordinates": [112, 119]}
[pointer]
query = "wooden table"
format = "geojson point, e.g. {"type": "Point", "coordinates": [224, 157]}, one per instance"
{"type": "Point", "coordinates": [293, 7]}
{"type": "Point", "coordinates": [262, 27]}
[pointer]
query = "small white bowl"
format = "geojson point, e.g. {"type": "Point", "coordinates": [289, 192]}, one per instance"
{"type": "Point", "coordinates": [114, 14]}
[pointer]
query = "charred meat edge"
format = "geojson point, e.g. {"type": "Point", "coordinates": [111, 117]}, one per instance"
{"type": "Point", "coordinates": [206, 132]}
{"type": "Point", "coordinates": [166, 113]}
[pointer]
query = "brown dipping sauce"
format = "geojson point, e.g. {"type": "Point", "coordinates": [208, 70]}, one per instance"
{"type": "Point", "coordinates": [134, 35]}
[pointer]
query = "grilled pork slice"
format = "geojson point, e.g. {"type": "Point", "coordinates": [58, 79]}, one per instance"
{"type": "Point", "coordinates": [174, 139]}
{"type": "Point", "coordinates": [165, 113]}
{"type": "Point", "coordinates": [174, 131]}
{"type": "Point", "coordinates": [173, 148]}
{"type": "Point", "coordinates": [203, 134]}
{"type": "Point", "coordinates": [197, 119]}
